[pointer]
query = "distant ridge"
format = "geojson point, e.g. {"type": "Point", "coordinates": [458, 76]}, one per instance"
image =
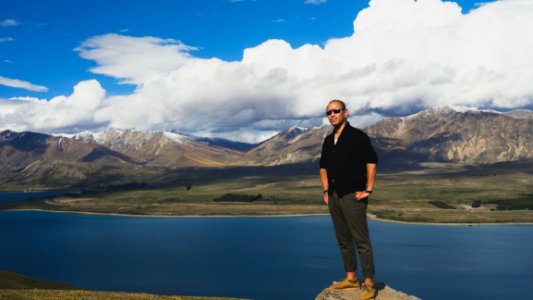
{"type": "Point", "coordinates": [168, 149]}
{"type": "Point", "coordinates": [450, 135]}
{"type": "Point", "coordinates": [446, 134]}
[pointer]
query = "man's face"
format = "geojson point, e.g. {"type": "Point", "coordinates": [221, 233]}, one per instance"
{"type": "Point", "coordinates": [336, 115]}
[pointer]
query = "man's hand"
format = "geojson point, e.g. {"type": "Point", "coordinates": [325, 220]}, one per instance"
{"type": "Point", "coordinates": [325, 185]}
{"type": "Point", "coordinates": [361, 195]}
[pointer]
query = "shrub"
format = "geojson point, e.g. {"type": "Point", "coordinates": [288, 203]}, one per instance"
{"type": "Point", "coordinates": [476, 204]}
{"type": "Point", "coordinates": [441, 204]}
{"type": "Point", "coordinates": [238, 198]}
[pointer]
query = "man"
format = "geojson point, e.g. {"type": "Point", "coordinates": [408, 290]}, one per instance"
{"type": "Point", "coordinates": [347, 171]}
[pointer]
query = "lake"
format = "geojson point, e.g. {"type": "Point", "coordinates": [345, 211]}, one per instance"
{"type": "Point", "coordinates": [261, 258]}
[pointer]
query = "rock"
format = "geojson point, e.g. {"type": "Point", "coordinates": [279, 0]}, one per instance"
{"type": "Point", "coordinates": [384, 293]}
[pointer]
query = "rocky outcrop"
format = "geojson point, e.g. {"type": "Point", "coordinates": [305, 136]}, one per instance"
{"type": "Point", "coordinates": [384, 293]}
{"type": "Point", "coordinates": [452, 135]}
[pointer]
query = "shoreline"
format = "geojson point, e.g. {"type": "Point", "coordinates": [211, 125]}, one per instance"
{"type": "Point", "coordinates": [370, 217]}
{"type": "Point", "coordinates": [447, 224]}
{"type": "Point", "coordinates": [164, 216]}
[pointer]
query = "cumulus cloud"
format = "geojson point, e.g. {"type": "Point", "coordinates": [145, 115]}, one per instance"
{"type": "Point", "coordinates": [16, 83]}
{"type": "Point", "coordinates": [153, 57]}
{"type": "Point", "coordinates": [67, 113]}
{"type": "Point", "coordinates": [403, 56]}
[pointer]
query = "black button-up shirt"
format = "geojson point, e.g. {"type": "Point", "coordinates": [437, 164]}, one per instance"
{"type": "Point", "coordinates": [346, 160]}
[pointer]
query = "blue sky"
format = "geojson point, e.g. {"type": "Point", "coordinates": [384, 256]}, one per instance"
{"type": "Point", "coordinates": [42, 49]}
{"type": "Point", "coordinates": [49, 47]}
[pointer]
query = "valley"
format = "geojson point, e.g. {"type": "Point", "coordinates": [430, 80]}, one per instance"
{"type": "Point", "coordinates": [443, 165]}
{"type": "Point", "coordinates": [420, 193]}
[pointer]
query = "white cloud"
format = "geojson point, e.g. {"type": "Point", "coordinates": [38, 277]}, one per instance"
{"type": "Point", "coordinates": [6, 39]}
{"type": "Point", "coordinates": [16, 83]}
{"type": "Point", "coordinates": [74, 112]}
{"type": "Point", "coordinates": [315, 2]}
{"type": "Point", "coordinates": [153, 57]}
{"type": "Point", "coordinates": [9, 23]}
{"type": "Point", "coordinates": [404, 55]}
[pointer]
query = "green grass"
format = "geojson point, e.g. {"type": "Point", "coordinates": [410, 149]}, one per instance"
{"type": "Point", "coordinates": [11, 280]}
{"type": "Point", "coordinates": [522, 202]}
{"type": "Point", "coordinates": [441, 204]}
{"type": "Point", "coordinates": [15, 286]}
{"type": "Point", "coordinates": [427, 193]}
{"type": "Point", "coordinates": [36, 294]}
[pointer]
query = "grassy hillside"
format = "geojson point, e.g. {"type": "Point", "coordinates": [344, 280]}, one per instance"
{"type": "Point", "coordinates": [88, 295]}
{"type": "Point", "coordinates": [15, 286]}
{"type": "Point", "coordinates": [14, 281]}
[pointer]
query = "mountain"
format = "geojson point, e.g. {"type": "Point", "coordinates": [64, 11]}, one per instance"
{"type": "Point", "coordinates": [38, 159]}
{"type": "Point", "coordinates": [444, 134]}
{"type": "Point", "coordinates": [520, 114]}
{"type": "Point", "coordinates": [433, 135]}
{"type": "Point", "coordinates": [18, 150]}
{"type": "Point", "coordinates": [294, 145]}
{"type": "Point", "coordinates": [164, 149]}
{"type": "Point", "coordinates": [224, 143]}
{"type": "Point", "coordinates": [451, 135]}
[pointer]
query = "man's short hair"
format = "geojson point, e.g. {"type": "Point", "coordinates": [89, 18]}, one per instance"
{"type": "Point", "coordinates": [343, 105]}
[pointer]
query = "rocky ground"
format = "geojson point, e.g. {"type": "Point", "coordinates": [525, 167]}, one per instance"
{"type": "Point", "coordinates": [384, 293]}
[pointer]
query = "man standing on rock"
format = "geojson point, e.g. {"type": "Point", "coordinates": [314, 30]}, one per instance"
{"type": "Point", "coordinates": [347, 171]}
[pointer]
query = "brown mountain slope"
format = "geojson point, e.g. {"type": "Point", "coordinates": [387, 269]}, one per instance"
{"type": "Point", "coordinates": [450, 135]}
{"type": "Point", "coordinates": [293, 145]}
{"type": "Point", "coordinates": [18, 150]}
{"type": "Point", "coordinates": [164, 149]}
{"type": "Point", "coordinates": [444, 134]}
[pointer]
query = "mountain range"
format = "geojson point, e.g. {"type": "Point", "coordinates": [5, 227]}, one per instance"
{"type": "Point", "coordinates": [434, 135]}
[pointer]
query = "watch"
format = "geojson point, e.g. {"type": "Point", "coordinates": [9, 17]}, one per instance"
{"type": "Point", "coordinates": [368, 191]}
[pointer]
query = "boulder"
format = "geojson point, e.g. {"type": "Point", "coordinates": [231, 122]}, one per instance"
{"type": "Point", "coordinates": [384, 293]}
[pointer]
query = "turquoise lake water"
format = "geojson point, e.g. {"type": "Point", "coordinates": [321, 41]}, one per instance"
{"type": "Point", "coordinates": [262, 258]}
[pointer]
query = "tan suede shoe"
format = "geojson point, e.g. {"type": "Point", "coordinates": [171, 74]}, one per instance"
{"type": "Point", "coordinates": [368, 292]}
{"type": "Point", "coordinates": [345, 284]}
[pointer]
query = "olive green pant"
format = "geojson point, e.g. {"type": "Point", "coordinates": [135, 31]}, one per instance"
{"type": "Point", "coordinates": [351, 229]}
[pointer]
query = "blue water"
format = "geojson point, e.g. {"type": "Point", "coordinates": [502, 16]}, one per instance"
{"type": "Point", "coordinates": [262, 258]}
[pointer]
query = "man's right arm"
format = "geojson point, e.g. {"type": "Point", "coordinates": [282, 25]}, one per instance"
{"type": "Point", "coordinates": [325, 184]}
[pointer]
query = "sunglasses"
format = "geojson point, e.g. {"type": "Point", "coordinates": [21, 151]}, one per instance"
{"type": "Point", "coordinates": [333, 111]}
